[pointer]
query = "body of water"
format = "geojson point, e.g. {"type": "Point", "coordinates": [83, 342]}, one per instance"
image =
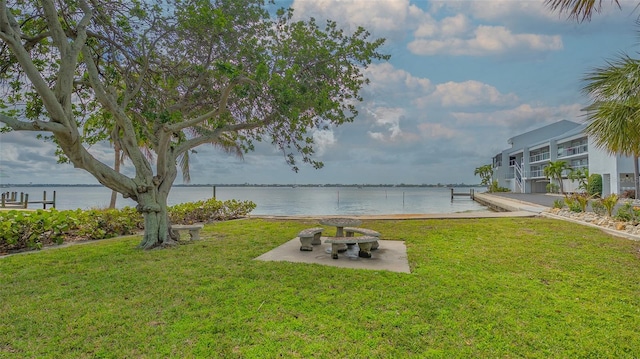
{"type": "Point", "coordinates": [280, 201]}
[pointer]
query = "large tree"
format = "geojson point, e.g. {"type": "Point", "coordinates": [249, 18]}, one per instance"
{"type": "Point", "coordinates": [172, 76]}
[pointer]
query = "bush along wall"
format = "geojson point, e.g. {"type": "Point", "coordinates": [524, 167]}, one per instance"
{"type": "Point", "coordinates": [25, 230]}
{"type": "Point", "coordinates": [594, 185]}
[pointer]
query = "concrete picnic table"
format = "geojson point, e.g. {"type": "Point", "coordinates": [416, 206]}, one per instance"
{"type": "Point", "coordinates": [339, 242]}
{"type": "Point", "coordinates": [340, 223]}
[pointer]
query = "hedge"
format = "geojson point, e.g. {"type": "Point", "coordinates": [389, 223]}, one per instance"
{"type": "Point", "coordinates": [21, 230]}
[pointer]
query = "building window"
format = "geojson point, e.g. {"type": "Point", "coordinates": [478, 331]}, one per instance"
{"type": "Point", "coordinates": [497, 161]}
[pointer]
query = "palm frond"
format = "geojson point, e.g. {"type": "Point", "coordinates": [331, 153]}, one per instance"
{"type": "Point", "coordinates": [619, 79]}
{"type": "Point", "coordinates": [614, 115]}
{"type": "Point", "coordinates": [580, 10]}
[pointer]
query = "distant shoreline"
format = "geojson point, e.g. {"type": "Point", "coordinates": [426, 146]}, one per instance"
{"type": "Point", "coordinates": [9, 185]}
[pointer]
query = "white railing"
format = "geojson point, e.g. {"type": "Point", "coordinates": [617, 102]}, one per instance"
{"type": "Point", "coordinates": [536, 173]}
{"type": "Point", "coordinates": [570, 151]}
{"type": "Point", "coordinates": [539, 157]}
{"type": "Point", "coordinates": [518, 175]}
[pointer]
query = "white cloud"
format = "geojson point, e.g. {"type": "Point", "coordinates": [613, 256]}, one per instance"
{"type": "Point", "coordinates": [437, 131]}
{"type": "Point", "coordinates": [384, 16]}
{"type": "Point", "coordinates": [522, 117]}
{"type": "Point", "coordinates": [466, 93]}
{"type": "Point", "coordinates": [389, 118]}
{"type": "Point", "coordinates": [323, 139]}
{"type": "Point", "coordinates": [485, 40]}
{"type": "Point", "coordinates": [385, 76]}
{"type": "Point", "coordinates": [478, 28]}
{"type": "Point", "coordinates": [454, 25]}
{"type": "Point", "coordinates": [497, 10]}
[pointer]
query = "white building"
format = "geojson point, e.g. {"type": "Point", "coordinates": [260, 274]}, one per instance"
{"type": "Point", "coordinates": [521, 167]}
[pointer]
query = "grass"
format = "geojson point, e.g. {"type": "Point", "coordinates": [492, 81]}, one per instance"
{"type": "Point", "coordinates": [508, 287]}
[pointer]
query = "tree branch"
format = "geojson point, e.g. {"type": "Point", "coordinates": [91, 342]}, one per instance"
{"type": "Point", "coordinates": [10, 33]}
{"type": "Point", "coordinates": [31, 125]}
{"type": "Point", "coordinates": [216, 133]}
{"type": "Point", "coordinates": [109, 101]}
{"type": "Point", "coordinates": [222, 106]}
{"type": "Point", "coordinates": [57, 32]}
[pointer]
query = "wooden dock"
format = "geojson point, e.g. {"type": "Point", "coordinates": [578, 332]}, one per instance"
{"type": "Point", "coordinates": [470, 194]}
{"type": "Point", "coordinates": [11, 200]}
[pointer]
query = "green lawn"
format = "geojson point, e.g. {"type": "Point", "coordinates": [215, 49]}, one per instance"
{"type": "Point", "coordinates": [500, 288]}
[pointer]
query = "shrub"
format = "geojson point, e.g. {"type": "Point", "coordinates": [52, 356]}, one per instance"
{"type": "Point", "coordinates": [209, 210]}
{"type": "Point", "coordinates": [594, 185]}
{"type": "Point", "coordinates": [495, 188]}
{"type": "Point", "coordinates": [598, 208]}
{"type": "Point", "coordinates": [572, 204]}
{"type": "Point", "coordinates": [558, 203]}
{"type": "Point", "coordinates": [35, 229]}
{"type": "Point", "coordinates": [552, 188]}
{"type": "Point", "coordinates": [628, 213]}
{"type": "Point", "coordinates": [577, 202]}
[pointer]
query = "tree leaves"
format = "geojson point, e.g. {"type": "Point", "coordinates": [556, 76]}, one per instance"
{"type": "Point", "coordinates": [168, 77]}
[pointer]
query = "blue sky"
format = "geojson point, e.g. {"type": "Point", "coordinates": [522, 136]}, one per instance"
{"type": "Point", "coordinates": [464, 76]}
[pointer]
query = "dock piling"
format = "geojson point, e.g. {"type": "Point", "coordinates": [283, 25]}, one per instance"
{"type": "Point", "coordinates": [470, 194]}
{"type": "Point", "coordinates": [10, 199]}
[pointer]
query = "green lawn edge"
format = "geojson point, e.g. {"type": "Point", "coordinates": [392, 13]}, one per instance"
{"type": "Point", "coordinates": [498, 287]}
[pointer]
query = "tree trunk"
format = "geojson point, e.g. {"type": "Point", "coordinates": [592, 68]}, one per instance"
{"type": "Point", "coordinates": [636, 177]}
{"type": "Point", "coordinates": [560, 185]}
{"type": "Point", "coordinates": [112, 201]}
{"type": "Point", "coordinates": [157, 231]}
{"type": "Point", "coordinates": [116, 167]}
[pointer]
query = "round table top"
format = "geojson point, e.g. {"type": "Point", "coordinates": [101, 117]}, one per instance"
{"type": "Point", "coordinates": [340, 222]}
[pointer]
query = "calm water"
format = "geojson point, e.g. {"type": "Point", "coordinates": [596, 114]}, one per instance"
{"type": "Point", "coordinates": [283, 200]}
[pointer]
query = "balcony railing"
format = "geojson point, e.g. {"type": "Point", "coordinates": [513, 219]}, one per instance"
{"type": "Point", "coordinates": [536, 173]}
{"type": "Point", "coordinates": [539, 157]}
{"type": "Point", "coordinates": [570, 151]}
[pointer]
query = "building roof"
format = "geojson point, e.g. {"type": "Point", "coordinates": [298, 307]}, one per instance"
{"type": "Point", "coordinates": [560, 129]}
{"type": "Point", "coordinates": [578, 130]}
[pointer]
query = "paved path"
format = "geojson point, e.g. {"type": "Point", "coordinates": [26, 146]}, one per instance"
{"type": "Point", "coordinates": [541, 199]}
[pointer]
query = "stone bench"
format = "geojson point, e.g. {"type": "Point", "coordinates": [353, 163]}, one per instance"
{"type": "Point", "coordinates": [309, 237]}
{"type": "Point", "coordinates": [194, 230]}
{"type": "Point", "coordinates": [364, 242]}
{"type": "Point", "coordinates": [349, 231]}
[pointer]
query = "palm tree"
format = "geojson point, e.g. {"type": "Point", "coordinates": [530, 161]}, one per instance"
{"type": "Point", "coordinates": [614, 114]}
{"type": "Point", "coordinates": [554, 171]}
{"type": "Point", "coordinates": [581, 10]}
{"type": "Point", "coordinates": [485, 172]}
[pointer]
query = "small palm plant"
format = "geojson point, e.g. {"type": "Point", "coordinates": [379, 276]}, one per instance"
{"type": "Point", "coordinates": [609, 203]}
{"type": "Point", "coordinates": [577, 202]}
